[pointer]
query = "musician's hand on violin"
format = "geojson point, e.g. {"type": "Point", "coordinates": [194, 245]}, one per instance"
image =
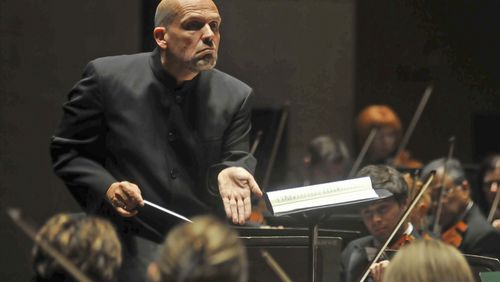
{"type": "Point", "coordinates": [235, 187]}
{"type": "Point", "coordinates": [124, 197]}
{"type": "Point", "coordinates": [496, 224]}
{"type": "Point", "coordinates": [377, 270]}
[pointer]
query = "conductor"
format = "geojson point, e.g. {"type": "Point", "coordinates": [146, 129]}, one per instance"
{"type": "Point", "coordinates": [163, 126]}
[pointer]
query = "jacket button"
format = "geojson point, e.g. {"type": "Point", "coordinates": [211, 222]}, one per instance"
{"type": "Point", "coordinates": [178, 99]}
{"type": "Point", "coordinates": [173, 173]}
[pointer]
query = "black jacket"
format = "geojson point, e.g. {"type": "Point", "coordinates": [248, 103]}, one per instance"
{"type": "Point", "coordinates": [126, 120]}
{"type": "Point", "coordinates": [354, 260]}
{"type": "Point", "coordinates": [480, 238]}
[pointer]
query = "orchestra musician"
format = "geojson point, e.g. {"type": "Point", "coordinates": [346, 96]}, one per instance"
{"type": "Point", "coordinates": [327, 160]}
{"type": "Point", "coordinates": [204, 250]}
{"type": "Point", "coordinates": [164, 126]}
{"type": "Point", "coordinates": [461, 221]}
{"type": "Point", "coordinates": [428, 260]}
{"type": "Point", "coordinates": [386, 141]}
{"type": "Point", "coordinates": [380, 218]}
{"type": "Point", "coordinates": [487, 188]}
{"type": "Point", "coordinates": [90, 243]}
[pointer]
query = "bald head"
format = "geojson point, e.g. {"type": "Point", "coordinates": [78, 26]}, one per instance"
{"type": "Point", "coordinates": [167, 10]}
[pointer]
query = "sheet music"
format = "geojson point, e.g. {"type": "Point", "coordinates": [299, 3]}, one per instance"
{"type": "Point", "coordinates": [166, 211]}
{"type": "Point", "coordinates": [319, 195]}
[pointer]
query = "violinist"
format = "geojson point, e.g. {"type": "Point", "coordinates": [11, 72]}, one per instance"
{"type": "Point", "coordinates": [327, 160]}
{"type": "Point", "coordinates": [386, 141]}
{"type": "Point", "coordinates": [487, 189]}
{"type": "Point", "coordinates": [380, 218]}
{"type": "Point", "coordinates": [462, 224]}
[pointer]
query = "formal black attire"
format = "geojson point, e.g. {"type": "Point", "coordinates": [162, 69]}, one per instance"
{"type": "Point", "coordinates": [358, 254]}
{"type": "Point", "coordinates": [126, 119]}
{"type": "Point", "coordinates": [480, 238]}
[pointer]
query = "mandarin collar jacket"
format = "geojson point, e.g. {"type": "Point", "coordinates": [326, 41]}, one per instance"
{"type": "Point", "coordinates": [126, 120]}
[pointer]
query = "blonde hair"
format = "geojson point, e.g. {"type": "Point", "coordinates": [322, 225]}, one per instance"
{"type": "Point", "coordinates": [90, 243]}
{"type": "Point", "coordinates": [205, 250]}
{"type": "Point", "coordinates": [428, 261]}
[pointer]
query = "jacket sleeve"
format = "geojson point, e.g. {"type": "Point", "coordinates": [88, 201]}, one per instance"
{"type": "Point", "coordinates": [235, 145]}
{"type": "Point", "coordinates": [77, 147]}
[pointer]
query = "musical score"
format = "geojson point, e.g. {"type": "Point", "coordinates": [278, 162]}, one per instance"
{"type": "Point", "coordinates": [320, 195]}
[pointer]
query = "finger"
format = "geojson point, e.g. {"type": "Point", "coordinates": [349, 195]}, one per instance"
{"type": "Point", "coordinates": [125, 213]}
{"type": "Point", "coordinates": [373, 272]}
{"type": "Point", "coordinates": [122, 196]}
{"type": "Point", "coordinates": [241, 211]}
{"type": "Point", "coordinates": [127, 202]}
{"type": "Point", "coordinates": [133, 192]}
{"type": "Point", "coordinates": [254, 187]}
{"type": "Point", "coordinates": [234, 210]}
{"type": "Point", "coordinates": [117, 203]}
{"type": "Point", "coordinates": [247, 202]}
{"type": "Point", "coordinates": [227, 207]}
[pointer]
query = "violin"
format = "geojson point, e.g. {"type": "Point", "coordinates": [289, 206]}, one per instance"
{"type": "Point", "coordinates": [402, 241]}
{"type": "Point", "coordinates": [454, 234]}
{"type": "Point", "coordinates": [404, 159]}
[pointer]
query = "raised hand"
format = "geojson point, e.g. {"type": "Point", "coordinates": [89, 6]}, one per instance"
{"type": "Point", "coordinates": [235, 187]}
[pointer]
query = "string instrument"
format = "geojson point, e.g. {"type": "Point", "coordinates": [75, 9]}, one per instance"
{"type": "Point", "coordinates": [398, 225]}
{"type": "Point", "coordinates": [402, 241]}
{"type": "Point", "coordinates": [404, 160]}
{"type": "Point", "coordinates": [454, 235]}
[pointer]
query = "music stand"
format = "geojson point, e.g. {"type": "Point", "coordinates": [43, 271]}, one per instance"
{"type": "Point", "coordinates": [315, 215]}
{"type": "Point", "coordinates": [480, 264]}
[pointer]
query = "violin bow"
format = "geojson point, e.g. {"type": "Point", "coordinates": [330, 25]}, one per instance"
{"type": "Point", "coordinates": [27, 228]}
{"type": "Point", "coordinates": [405, 215]}
{"type": "Point", "coordinates": [414, 120]}
{"type": "Point", "coordinates": [256, 142]}
{"type": "Point", "coordinates": [494, 205]}
{"type": "Point", "coordinates": [275, 267]}
{"type": "Point", "coordinates": [436, 228]}
{"type": "Point", "coordinates": [362, 153]}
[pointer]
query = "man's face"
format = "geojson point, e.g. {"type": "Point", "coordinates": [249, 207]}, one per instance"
{"type": "Point", "coordinates": [455, 198]}
{"type": "Point", "coordinates": [380, 218]}
{"type": "Point", "coordinates": [193, 37]}
{"type": "Point", "coordinates": [491, 184]}
{"type": "Point", "coordinates": [384, 143]}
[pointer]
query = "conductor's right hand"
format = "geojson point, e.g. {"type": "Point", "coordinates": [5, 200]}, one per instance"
{"type": "Point", "coordinates": [124, 197]}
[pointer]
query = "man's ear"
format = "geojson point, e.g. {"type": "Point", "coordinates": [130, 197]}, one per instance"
{"type": "Point", "coordinates": [153, 272]}
{"type": "Point", "coordinates": [160, 36]}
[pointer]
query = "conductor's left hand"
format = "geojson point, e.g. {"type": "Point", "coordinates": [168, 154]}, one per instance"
{"type": "Point", "coordinates": [235, 187]}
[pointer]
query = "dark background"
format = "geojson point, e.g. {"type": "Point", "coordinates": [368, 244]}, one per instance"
{"type": "Point", "coordinates": [327, 58]}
